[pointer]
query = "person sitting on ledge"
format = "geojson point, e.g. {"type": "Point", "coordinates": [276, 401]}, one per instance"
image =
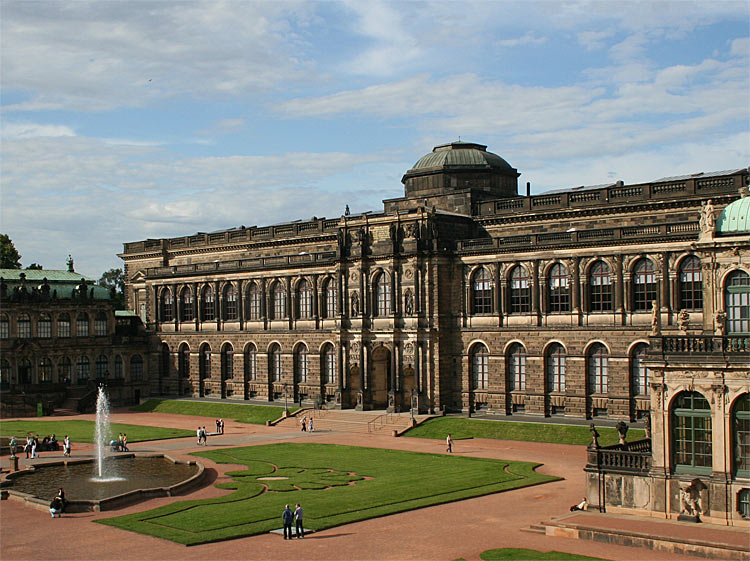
{"type": "Point", "coordinates": [583, 505]}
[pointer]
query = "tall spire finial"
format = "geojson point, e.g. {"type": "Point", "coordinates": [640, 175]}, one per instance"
{"type": "Point", "coordinates": [69, 263]}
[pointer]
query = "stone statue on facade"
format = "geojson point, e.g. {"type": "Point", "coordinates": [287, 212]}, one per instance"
{"type": "Point", "coordinates": [594, 436]}
{"type": "Point", "coordinates": [622, 430]}
{"type": "Point", "coordinates": [707, 218]}
{"type": "Point", "coordinates": [355, 304]}
{"type": "Point", "coordinates": [647, 426]}
{"type": "Point", "coordinates": [655, 318]}
{"type": "Point", "coordinates": [721, 323]}
{"type": "Point", "coordinates": [409, 303]}
{"type": "Point", "coordinates": [690, 500]}
{"type": "Point", "coordinates": [683, 320]}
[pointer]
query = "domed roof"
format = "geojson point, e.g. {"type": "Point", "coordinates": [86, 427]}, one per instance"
{"type": "Point", "coordinates": [735, 217]}
{"type": "Point", "coordinates": [461, 155]}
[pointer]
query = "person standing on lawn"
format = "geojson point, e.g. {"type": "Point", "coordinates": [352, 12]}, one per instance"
{"type": "Point", "coordinates": [449, 444]}
{"type": "Point", "coordinates": [287, 516]}
{"type": "Point", "coordinates": [299, 531]}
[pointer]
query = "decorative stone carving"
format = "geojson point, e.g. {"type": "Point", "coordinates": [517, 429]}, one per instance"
{"type": "Point", "coordinates": [409, 350]}
{"type": "Point", "coordinates": [720, 320]}
{"type": "Point", "coordinates": [355, 304]}
{"type": "Point", "coordinates": [409, 273]}
{"type": "Point", "coordinates": [622, 430]}
{"type": "Point", "coordinates": [355, 349]}
{"type": "Point", "coordinates": [683, 321]}
{"type": "Point", "coordinates": [594, 436]}
{"type": "Point", "coordinates": [690, 500]}
{"type": "Point", "coordinates": [353, 275]}
{"type": "Point", "coordinates": [409, 303]}
{"type": "Point", "coordinates": [655, 318]}
{"type": "Point", "coordinates": [707, 218]}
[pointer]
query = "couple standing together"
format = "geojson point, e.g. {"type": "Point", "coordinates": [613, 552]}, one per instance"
{"type": "Point", "coordinates": [289, 516]}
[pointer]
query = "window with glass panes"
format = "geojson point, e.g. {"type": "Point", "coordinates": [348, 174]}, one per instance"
{"type": "Point", "coordinates": [558, 290]}
{"type": "Point", "coordinates": [183, 364]}
{"type": "Point", "coordinates": [639, 373]}
{"type": "Point", "coordinates": [737, 300]}
{"type": "Point", "coordinates": [304, 300]}
{"type": "Point", "coordinates": [251, 362]}
{"type": "Point", "coordinates": [279, 301]}
{"type": "Point", "coordinates": [301, 364]}
{"type": "Point", "coordinates": [691, 433]}
{"type": "Point", "coordinates": [230, 303]}
{"type": "Point", "coordinates": [186, 305]}
{"type": "Point", "coordinates": [480, 362]}
{"type": "Point", "coordinates": [4, 327]}
{"type": "Point", "coordinates": [83, 369]}
{"type": "Point", "coordinates": [136, 368]}
{"type": "Point", "coordinates": [102, 365]}
{"type": "Point", "coordinates": [82, 325]}
{"type": "Point", "coordinates": [520, 291]}
{"type": "Point", "coordinates": [204, 362]}
{"type": "Point", "coordinates": [24, 326]}
{"type": "Point", "coordinates": [275, 364]}
{"type": "Point", "coordinates": [100, 324]}
{"type": "Point", "coordinates": [5, 371]}
{"type": "Point", "coordinates": [383, 295]}
{"type": "Point", "coordinates": [63, 325]}
{"type": "Point", "coordinates": [517, 368]}
{"type": "Point", "coordinates": [598, 369]}
{"type": "Point", "coordinates": [253, 302]}
{"type": "Point", "coordinates": [24, 372]}
{"type": "Point", "coordinates": [166, 306]}
{"type": "Point", "coordinates": [482, 292]}
{"type": "Point", "coordinates": [691, 284]}
{"type": "Point", "coordinates": [64, 370]}
{"type": "Point", "coordinates": [330, 295]}
{"type": "Point", "coordinates": [209, 304]}
{"type": "Point", "coordinates": [644, 285]}
{"type": "Point", "coordinates": [227, 362]}
{"type": "Point", "coordinates": [741, 436]}
{"type": "Point", "coordinates": [118, 367]}
{"type": "Point", "coordinates": [600, 288]}
{"type": "Point", "coordinates": [329, 365]}
{"type": "Point", "coordinates": [44, 326]}
{"type": "Point", "coordinates": [556, 368]}
{"type": "Point", "coordinates": [45, 370]}
{"type": "Point", "coordinates": [743, 503]}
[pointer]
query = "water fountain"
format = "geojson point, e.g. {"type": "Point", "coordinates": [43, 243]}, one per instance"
{"type": "Point", "coordinates": [102, 437]}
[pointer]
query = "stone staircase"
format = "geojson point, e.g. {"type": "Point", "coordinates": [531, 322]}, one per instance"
{"type": "Point", "coordinates": [348, 420]}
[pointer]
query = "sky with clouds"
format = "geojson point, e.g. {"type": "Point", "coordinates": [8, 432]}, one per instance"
{"type": "Point", "coordinates": [123, 121]}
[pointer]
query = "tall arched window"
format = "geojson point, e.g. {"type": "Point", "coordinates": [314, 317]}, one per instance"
{"type": "Point", "coordinates": [517, 368]}
{"type": "Point", "coordinates": [102, 367]}
{"type": "Point", "coordinates": [230, 303]}
{"type": "Point", "coordinates": [556, 368]}
{"type": "Point", "coordinates": [741, 436]}
{"type": "Point", "coordinates": [278, 294]}
{"type": "Point", "coordinates": [4, 373]}
{"type": "Point", "coordinates": [558, 289]}
{"type": "Point", "coordinates": [304, 300]}
{"type": "Point", "coordinates": [274, 364]}
{"type": "Point", "coordinates": [166, 305]}
{"type": "Point", "coordinates": [480, 363]}
{"type": "Point", "coordinates": [253, 302]}
{"type": "Point", "coordinates": [481, 296]}
{"type": "Point", "coordinates": [209, 304]}
{"type": "Point", "coordinates": [227, 362]}
{"type": "Point", "coordinates": [644, 285]}
{"type": "Point", "coordinates": [45, 371]}
{"type": "Point", "coordinates": [737, 301]}
{"type": "Point", "coordinates": [383, 295]}
{"type": "Point", "coordinates": [204, 362]}
{"type": "Point", "coordinates": [100, 325]}
{"type": "Point", "coordinates": [65, 370]}
{"type": "Point", "coordinates": [4, 326]}
{"type": "Point", "coordinates": [24, 326]}
{"type": "Point", "coordinates": [329, 364]}
{"type": "Point", "coordinates": [520, 291]}
{"type": "Point", "coordinates": [331, 295]}
{"type": "Point", "coordinates": [83, 369]}
{"type": "Point", "coordinates": [600, 288]}
{"type": "Point", "coordinates": [251, 362]}
{"type": "Point", "coordinates": [691, 284]}
{"type": "Point", "coordinates": [44, 326]}
{"type": "Point", "coordinates": [598, 368]}
{"type": "Point", "coordinates": [186, 305]}
{"type": "Point", "coordinates": [118, 367]}
{"type": "Point", "coordinates": [63, 325]}
{"type": "Point", "coordinates": [183, 358]}
{"type": "Point", "coordinates": [82, 325]}
{"type": "Point", "coordinates": [300, 363]}
{"type": "Point", "coordinates": [24, 371]}
{"type": "Point", "coordinates": [639, 374]}
{"type": "Point", "coordinates": [691, 433]}
{"type": "Point", "coordinates": [136, 368]}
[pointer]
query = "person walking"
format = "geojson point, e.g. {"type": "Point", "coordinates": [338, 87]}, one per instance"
{"type": "Point", "coordinates": [299, 530]}
{"type": "Point", "coordinates": [449, 444]}
{"type": "Point", "coordinates": [204, 434]}
{"type": "Point", "coordinates": [287, 516]}
{"type": "Point", "coordinates": [310, 426]}
{"type": "Point", "coordinates": [221, 426]}
{"type": "Point", "coordinates": [304, 424]}
{"type": "Point", "coordinates": [198, 435]}
{"type": "Point", "coordinates": [66, 446]}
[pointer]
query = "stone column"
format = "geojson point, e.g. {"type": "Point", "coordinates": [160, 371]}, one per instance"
{"type": "Point", "coordinates": [535, 290]}
{"type": "Point", "coordinates": [241, 302]}
{"type": "Point", "coordinates": [418, 366]}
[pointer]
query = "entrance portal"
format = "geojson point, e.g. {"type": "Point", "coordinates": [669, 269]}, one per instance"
{"type": "Point", "coordinates": [381, 368]}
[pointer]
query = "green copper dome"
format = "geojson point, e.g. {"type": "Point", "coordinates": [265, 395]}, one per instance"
{"type": "Point", "coordinates": [463, 155]}
{"type": "Point", "coordinates": [735, 217]}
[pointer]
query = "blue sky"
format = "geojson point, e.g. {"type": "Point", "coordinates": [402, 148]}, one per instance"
{"type": "Point", "coordinates": [128, 120]}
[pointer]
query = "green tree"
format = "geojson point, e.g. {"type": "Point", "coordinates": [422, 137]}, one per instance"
{"type": "Point", "coordinates": [35, 267]}
{"type": "Point", "coordinates": [9, 256]}
{"type": "Point", "coordinates": [114, 280]}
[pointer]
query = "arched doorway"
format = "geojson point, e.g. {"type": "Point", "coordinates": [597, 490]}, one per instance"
{"type": "Point", "coordinates": [379, 376]}
{"type": "Point", "coordinates": [204, 368]}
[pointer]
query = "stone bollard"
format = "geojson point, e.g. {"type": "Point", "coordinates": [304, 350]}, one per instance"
{"type": "Point", "coordinates": [395, 433]}
{"type": "Point", "coordinates": [14, 463]}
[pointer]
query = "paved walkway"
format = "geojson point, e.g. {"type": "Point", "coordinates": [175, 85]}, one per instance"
{"type": "Point", "coordinates": [444, 532]}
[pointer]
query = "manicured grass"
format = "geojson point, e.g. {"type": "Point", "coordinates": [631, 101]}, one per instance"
{"type": "Point", "coordinates": [83, 431]}
{"type": "Point", "coordinates": [240, 412]}
{"type": "Point", "coordinates": [511, 554]}
{"type": "Point", "coordinates": [334, 484]}
{"type": "Point", "coordinates": [510, 430]}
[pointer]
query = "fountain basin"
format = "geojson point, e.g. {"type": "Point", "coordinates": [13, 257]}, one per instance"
{"type": "Point", "coordinates": [142, 477]}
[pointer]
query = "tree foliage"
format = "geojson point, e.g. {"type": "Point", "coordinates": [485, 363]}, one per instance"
{"type": "Point", "coordinates": [35, 267]}
{"type": "Point", "coordinates": [114, 280]}
{"type": "Point", "coordinates": [9, 256]}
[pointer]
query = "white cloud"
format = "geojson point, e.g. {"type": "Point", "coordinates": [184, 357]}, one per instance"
{"type": "Point", "coordinates": [594, 40]}
{"type": "Point", "coordinates": [34, 130]}
{"type": "Point", "coordinates": [526, 39]}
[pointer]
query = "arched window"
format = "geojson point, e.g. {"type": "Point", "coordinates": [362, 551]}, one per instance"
{"type": "Point", "coordinates": [102, 367]}
{"type": "Point", "coordinates": [304, 300]}
{"type": "Point", "coordinates": [186, 305]}
{"type": "Point", "coordinates": [64, 370]}
{"type": "Point", "coordinates": [136, 368]}
{"type": "Point", "coordinates": [598, 368]}
{"type": "Point", "coordinates": [556, 368]}
{"type": "Point", "coordinates": [278, 295]}
{"type": "Point", "coordinates": [251, 362]}
{"type": "Point", "coordinates": [183, 364]}
{"type": "Point", "coordinates": [100, 324]}
{"type": "Point", "coordinates": [691, 433]}
{"type": "Point", "coordinates": [480, 362]}
{"type": "Point", "coordinates": [737, 301]}
{"type": "Point", "coordinates": [691, 284]}
{"type": "Point", "coordinates": [600, 288]}
{"type": "Point", "coordinates": [741, 436]}
{"type": "Point", "coordinates": [227, 362]}
{"type": "Point", "coordinates": [63, 325]}
{"type": "Point", "coordinates": [204, 362]}
{"type": "Point", "coordinates": [558, 289]}
{"type": "Point", "coordinates": [82, 325]}
{"type": "Point", "coordinates": [83, 369]}
{"type": "Point", "coordinates": [164, 360]}
{"type": "Point", "coordinates": [4, 326]}
{"type": "Point", "coordinates": [520, 291]}
{"type": "Point", "coordinates": [639, 374]}
{"type": "Point", "coordinates": [329, 364]}
{"type": "Point", "coordinates": [517, 368]}
{"type": "Point", "coordinates": [300, 363]}
{"type": "Point", "coordinates": [383, 295]}
{"type": "Point", "coordinates": [166, 305]}
{"type": "Point", "coordinates": [209, 304]}
{"type": "Point", "coordinates": [644, 285]}
{"type": "Point", "coordinates": [24, 326]}
{"type": "Point", "coordinates": [230, 303]}
{"type": "Point", "coordinates": [118, 367]}
{"type": "Point", "coordinates": [44, 326]}
{"type": "Point", "coordinates": [331, 295]}
{"type": "Point", "coordinates": [274, 364]}
{"type": "Point", "coordinates": [253, 302]}
{"type": "Point", "coordinates": [45, 371]}
{"type": "Point", "coordinates": [4, 372]}
{"type": "Point", "coordinates": [24, 371]}
{"type": "Point", "coordinates": [481, 296]}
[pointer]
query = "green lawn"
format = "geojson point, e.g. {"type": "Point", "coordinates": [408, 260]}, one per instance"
{"type": "Point", "coordinates": [83, 431]}
{"type": "Point", "coordinates": [512, 554]}
{"type": "Point", "coordinates": [460, 428]}
{"type": "Point", "coordinates": [335, 484]}
{"type": "Point", "coordinates": [240, 412]}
